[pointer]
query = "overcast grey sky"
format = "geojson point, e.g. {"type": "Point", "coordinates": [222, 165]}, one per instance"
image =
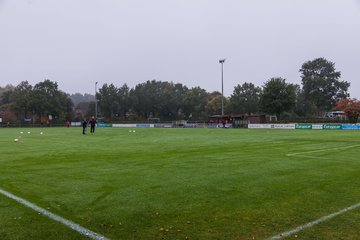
{"type": "Point", "coordinates": [79, 42]}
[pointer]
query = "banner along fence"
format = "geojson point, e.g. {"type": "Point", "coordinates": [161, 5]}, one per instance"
{"type": "Point", "coordinates": [300, 126]}
{"type": "Point", "coordinates": [314, 126]}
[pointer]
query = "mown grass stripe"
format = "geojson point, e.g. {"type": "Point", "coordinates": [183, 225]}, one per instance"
{"type": "Point", "coordinates": [68, 223]}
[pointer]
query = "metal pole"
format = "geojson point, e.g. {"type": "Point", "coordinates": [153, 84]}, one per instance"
{"type": "Point", "coordinates": [222, 86]}
{"type": "Point", "coordinates": [96, 111]}
{"type": "Point", "coordinates": [222, 89]}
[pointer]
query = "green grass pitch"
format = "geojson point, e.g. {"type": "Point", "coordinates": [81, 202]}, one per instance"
{"type": "Point", "coordinates": [180, 183]}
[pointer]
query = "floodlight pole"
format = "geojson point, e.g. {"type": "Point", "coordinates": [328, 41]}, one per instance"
{"type": "Point", "coordinates": [96, 111]}
{"type": "Point", "coordinates": [221, 61]}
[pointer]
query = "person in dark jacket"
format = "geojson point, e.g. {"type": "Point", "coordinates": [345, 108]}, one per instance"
{"type": "Point", "coordinates": [92, 125]}
{"type": "Point", "coordinates": [84, 125]}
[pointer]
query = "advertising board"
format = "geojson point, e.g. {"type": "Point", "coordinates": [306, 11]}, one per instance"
{"type": "Point", "coordinates": [75, 124]}
{"type": "Point", "coordinates": [274, 126]}
{"type": "Point", "coordinates": [145, 125]}
{"type": "Point", "coordinates": [317, 126]}
{"type": "Point", "coordinates": [303, 126]}
{"type": "Point", "coordinates": [253, 125]}
{"type": "Point", "coordinates": [283, 126]}
{"type": "Point", "coordinates": [104, 125]}
{"type": "Point", "coordinates": [350, 127]}
{"type": "Point", "coordinates": [124, 125]}
{"type": "Point", "coordinates": [332, 126]}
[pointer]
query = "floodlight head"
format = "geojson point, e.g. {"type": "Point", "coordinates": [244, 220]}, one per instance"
{"type": "Point", "coordinates": [222, 60]}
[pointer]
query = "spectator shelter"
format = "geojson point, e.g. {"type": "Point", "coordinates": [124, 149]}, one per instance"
{"type": "Point", "coordinates": [236, 120]}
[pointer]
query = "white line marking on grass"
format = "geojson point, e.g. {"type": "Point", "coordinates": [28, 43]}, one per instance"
{"type": "Point", "coordinates": [306, 156]}
{"type": "Point", "coordinates": [320, 150]}
{"type": "Point", "coordinates": [68, 223]}
{"type": "Point", "coordinates": [313, 223]}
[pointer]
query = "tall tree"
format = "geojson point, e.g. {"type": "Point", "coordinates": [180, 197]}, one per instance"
{"type": "Point", "coordinates": [5, 93]}
{"type": "Point", "coordinates": [124, 100]}
{"type": "Point", "coordinates": [214, 104]}
{"type": "Point", "coordinates": [245, 98]}
{"type": "Point", "coordinates": [174, 94]}
{"type": "Point", "coordinates": [302, 107]}
{"type": "Point", "coordinates": [168, 105]}
{"type": "Point", "coordinates": [49, 100]}
{"type": "Point", "coordinates": [108, 100]}
{"type": "Point", "coordinates": [157, 98]}
{"type": "Point", "coordinates": [77, 98]}
{"type": "Point", "coordinates": [194, 103]}
{"type": "Point", "coordinates": [22, 100]}
{"type": "Point", "coordinates": [277, 97]}
{"type": "Point", "coordinates": [5, 104]}
{"type": "Point", "coordinates": [146, 98]}
{"type": "Point", "coordinates": [67, 106]}
{"type": "Point", "coordinates": [90, 112]}
{"type": "Point", "coordinates": [6, 97]}
{"type": "Point", "coordinates": [322, 85]}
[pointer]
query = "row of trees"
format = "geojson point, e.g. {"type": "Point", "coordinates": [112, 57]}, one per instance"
{"type": "Point", "coordinates": [156, 99]}
{"type": "Point", "coordinates": [41, 102]}
{"type": "Point", "coordinates": [321, 89]}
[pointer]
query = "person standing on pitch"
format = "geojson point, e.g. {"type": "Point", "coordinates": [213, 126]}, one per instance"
{"type": "Point", "coordinates": [84, 125]}
{"type": "Point", "coordinates": [93, 122]}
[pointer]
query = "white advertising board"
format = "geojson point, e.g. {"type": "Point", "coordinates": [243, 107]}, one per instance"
{"type": "Point", "coordinates": [74, 124]}
{"type": "Point", "coordinates": [124, 125]}
{"type": "Point", "coordinates": [265, 126]}
{"type": "Point", "coordinates": [317, 126]}
{"type": "Point", "coordinates": [283, 126]}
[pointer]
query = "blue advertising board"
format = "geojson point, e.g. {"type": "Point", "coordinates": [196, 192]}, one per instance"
{"type": "Point", "coordinates": [350, 127]}
{"type": "Point", "coordinates": [143, 125]}
{"type": "Point", "coordinates": [104, 125]}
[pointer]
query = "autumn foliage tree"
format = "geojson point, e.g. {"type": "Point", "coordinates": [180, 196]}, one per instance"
{"type": "Point", "coordinates": [351, 107]}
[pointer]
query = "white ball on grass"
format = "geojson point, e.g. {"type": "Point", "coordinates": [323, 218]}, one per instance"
{"type": "Point", "coordinates": [16, 140]}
